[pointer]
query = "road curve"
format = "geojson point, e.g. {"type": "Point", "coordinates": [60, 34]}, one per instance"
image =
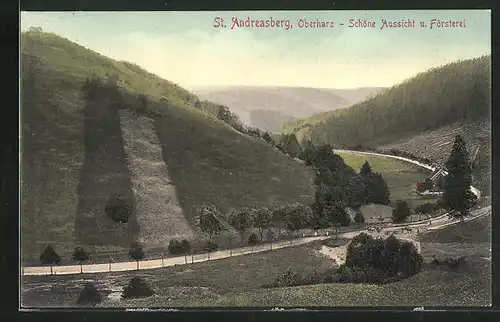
{"type": "Point", "coordinates": [474, 190]}
{"type": "Point", "coordinates": [431, 224]}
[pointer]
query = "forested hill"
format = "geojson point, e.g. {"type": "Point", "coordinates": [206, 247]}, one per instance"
{"type": "Point", "coordinates": [455, 92]}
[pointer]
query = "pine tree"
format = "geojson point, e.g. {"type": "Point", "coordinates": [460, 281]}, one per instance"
{"type": "Point", "coordinates": [401, 212]}
{"type": "Point", "coordinates": [378, 191]}
{"type": "Point", "coordinates": [457, 196]}
{"type": "Point", "coordinates": [365, 169]}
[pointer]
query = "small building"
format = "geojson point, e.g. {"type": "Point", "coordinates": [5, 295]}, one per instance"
{"type": "Point", "coordinates": [437, 177]}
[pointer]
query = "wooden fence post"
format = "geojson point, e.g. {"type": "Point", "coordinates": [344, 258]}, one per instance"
{"type": "Point", "coordinates": [51, 271]}
{"type": "Point", "coordinates": [162, 262]}
{"type": "Point", "coordinates": [192, 258]}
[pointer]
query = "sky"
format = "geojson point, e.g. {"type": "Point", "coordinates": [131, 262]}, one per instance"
{"type": "Point", "coordinates": [186, 48]}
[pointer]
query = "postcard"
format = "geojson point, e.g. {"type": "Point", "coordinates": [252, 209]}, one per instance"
{"type": "Point", "coordinates": [255, 159]}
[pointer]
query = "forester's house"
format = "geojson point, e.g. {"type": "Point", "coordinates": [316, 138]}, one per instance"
{"type": "Point", "coordinates": [437, 178]}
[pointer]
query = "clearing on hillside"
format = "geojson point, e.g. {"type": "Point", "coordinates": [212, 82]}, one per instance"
{"type": "Point", "coordinates": [400, 176]}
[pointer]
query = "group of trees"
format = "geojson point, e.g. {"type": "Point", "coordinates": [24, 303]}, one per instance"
{"type": "Point", "coordinates": [383, 258]}
{"type": "Point", "coordinates": [338, 186]}
{"type": "Point", "coordinates": [212, 221]}
{"type": "Point", "coordinates": [50, 257]}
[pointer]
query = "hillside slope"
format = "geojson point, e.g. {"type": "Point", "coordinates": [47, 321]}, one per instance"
{"type": "Point", "coordinates": [128, 133]}
{"type": "Point", "coordinates": [422, 116]}
{"type": "Point", "coordinates": [459, 91]}
{"type": "Point", "coordinates": [296, 102]}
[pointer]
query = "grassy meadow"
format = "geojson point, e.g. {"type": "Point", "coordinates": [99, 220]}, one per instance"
{"type": "Point", "coordinates": [401, 177]}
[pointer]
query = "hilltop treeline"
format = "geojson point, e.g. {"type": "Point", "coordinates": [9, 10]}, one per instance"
{"type": "Point", "coordinates": [458, 91]}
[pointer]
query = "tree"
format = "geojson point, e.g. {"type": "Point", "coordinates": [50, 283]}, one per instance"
{"type": "Point", "coordinates": [262, 219]}
{"type": "Point", "coordinates": [298, 217]}
{"type": "Point", "coordinates": [89, 295]}
{"type": "Point", "coordinates": [136, 253]}
{"type": "Point", "coordinates": [224, 114]}
{"type": "Point", "coordinates": [401, 211]}
{"type": "Point", "coordinates": [359, 219]}
{"type": "Point", "coordinates": [209, 221]}
{"type": "Point", "coordinates": [49, 256]}
{"type": "Point", "coordinates": [241, 220]}
{"type": "Point", "coordinates": [365, 169]}
{"type": "Point", "coordinates": [308, 153]}
{"type": "Point", "coordinates": [336, 214]}
{"type": "Point", "coordinates": [357, 191]}
{"type": "Point", "coordinates": [80, 256]}
{"type": "Point", "coordinates": [279, 218]}
{"type": "Point", "coordinates": [267, 137]}
{"type": "Point", "coordinates": [457, 195]}
{"type": "Point", "coordinates": [378, 191]}
{"type": "Point", "coordinates": [185, 246]}
{"type": "Point", "coordinates": [118, 209]}
{"type": "Point", "coordinates": [291, 144]}
{"type": "Point", "coordinates": [137, 288]}
{"type": "Point", "coordinates": [143, 103]}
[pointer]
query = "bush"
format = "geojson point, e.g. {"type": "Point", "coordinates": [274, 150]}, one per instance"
{"type": "Point", "coordinates": [253, 239]}
{"type": "Point", "coordinates": [176, 247]}
{"type": "Point", "coordinates": [289, 278]}
{"type": "Point", "coordinates": [359, 219]}
{"type": "Point", "coordinates": [89, 295]}
{"type": "Point", "coordinates": [211, 246]}
{"type": "Point", "coordinates": [392, 257]}
{"type": "Point", "coordinates": [118, 209]}
{"type": "Point", "coordinates": [49, 256]}
{"type": "Point", "coordinates": [344, 274]}
{"type": "Point", "coordinates": [136, 288]}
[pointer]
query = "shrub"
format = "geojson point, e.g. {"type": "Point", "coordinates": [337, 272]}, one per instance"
{"type": "Point", "coordinates": [289, 278]}
{"type": "Point", "coordinates": [49, 256]}
{"type": "Point", "coordinates": [137, 288]}
{"type": "Point", "coordinates": [359, 219]}
{"type": "Point", "coordinates": [89, 295]}
{"type": "Point", "coordinates": [344, 274]}
{"type": "Point", "coordinates": [253, 239]}
{"type": "Point", "coordinates": [211, 246]}
{"type": "Point", "coordinates": [118, 209]}
{"type": "Point", "coordinates": [176, 247]}
{"type": "Point", "coordinates": [390, 256]}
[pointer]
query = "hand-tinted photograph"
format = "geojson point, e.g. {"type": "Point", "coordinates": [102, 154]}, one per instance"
{"type": "Point", "coordinates": [255, 159]}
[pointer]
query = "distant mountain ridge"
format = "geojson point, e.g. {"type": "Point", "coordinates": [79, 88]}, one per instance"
{"type": "Point", "coordinates": [290, 102]}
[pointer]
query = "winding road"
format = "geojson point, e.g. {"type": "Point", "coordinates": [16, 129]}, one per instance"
{"type": "Point", "coordinates": [429, 224]}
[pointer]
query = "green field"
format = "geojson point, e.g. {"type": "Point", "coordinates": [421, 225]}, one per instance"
{"type": "Point", "coordinates": [238, 281]}
{"type": "Point", "coordinates": [200, 280]}
{"type": "Point", "coordinates": [401, 177]}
